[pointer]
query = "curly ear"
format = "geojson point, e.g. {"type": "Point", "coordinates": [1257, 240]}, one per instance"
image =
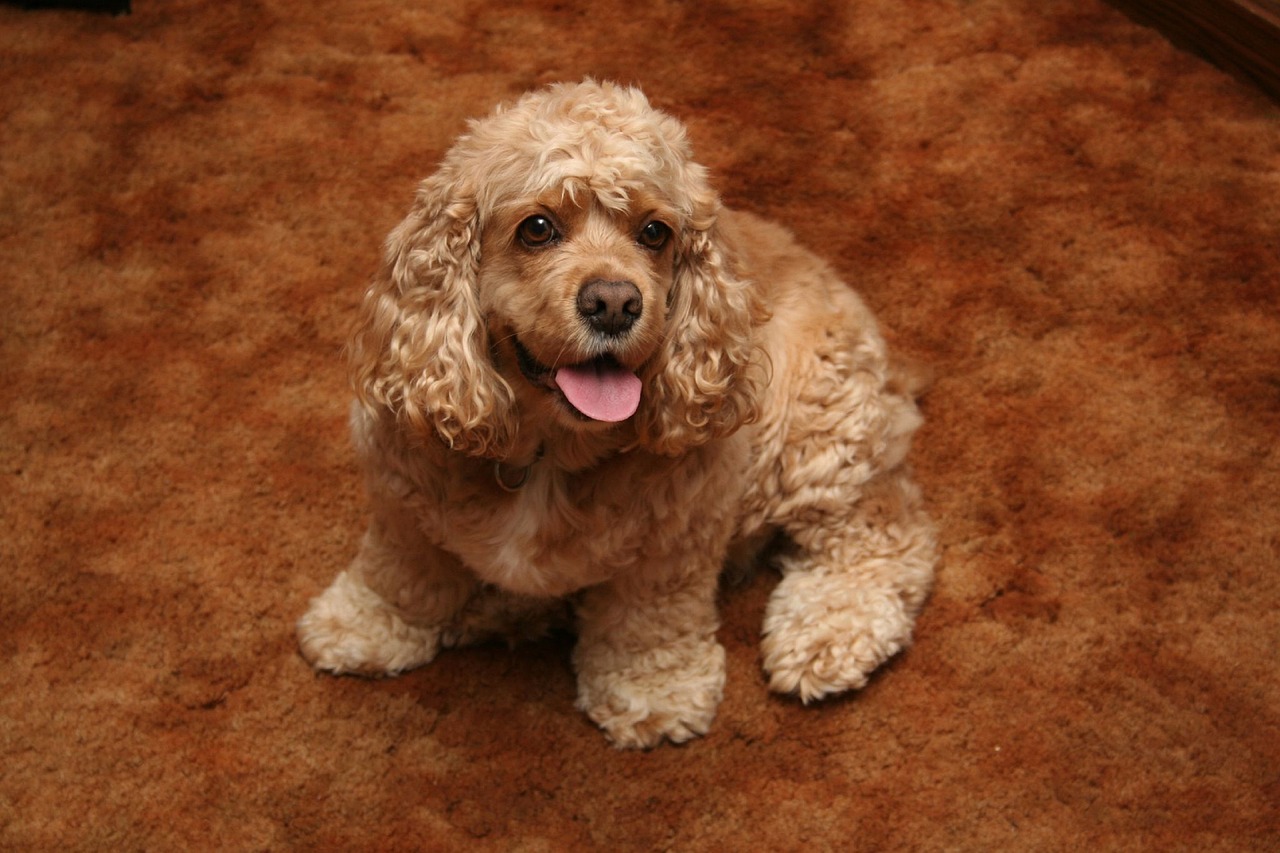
{"type": "Point", "coordinates": [421, 348]}
{"type": "Point", "coordinates": [707, 380]}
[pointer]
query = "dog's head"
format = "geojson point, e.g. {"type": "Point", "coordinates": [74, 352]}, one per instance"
{"type": "Point", "coordinates": [564, 258]}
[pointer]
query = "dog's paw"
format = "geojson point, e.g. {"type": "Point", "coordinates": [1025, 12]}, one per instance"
{"type": "Point", "coordinates": [821, 639]}
{"type": "Point", "coordinates": [639, 708]}
{"type": "Point", "coordinates": [350, 629]}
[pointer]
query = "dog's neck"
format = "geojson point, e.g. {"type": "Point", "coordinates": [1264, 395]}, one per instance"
{"type": "Point", "coordinates": [511, 477]}
{"type": "Point", "coordinates": [557, 447]}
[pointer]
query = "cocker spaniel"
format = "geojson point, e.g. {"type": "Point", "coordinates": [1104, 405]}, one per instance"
{"type": "Point", "coordinates": [584, 386]}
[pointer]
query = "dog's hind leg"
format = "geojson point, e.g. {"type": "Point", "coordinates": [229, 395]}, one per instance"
{"type": "Point", "coordinates": [863, 547]}
{"type": "Point", "coordinates": [850, 590]}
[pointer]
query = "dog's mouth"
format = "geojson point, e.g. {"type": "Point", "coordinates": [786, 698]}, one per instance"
{"type": "Point", "coordinates": [600, 389]}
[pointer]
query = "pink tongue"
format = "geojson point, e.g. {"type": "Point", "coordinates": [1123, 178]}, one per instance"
{"type": "Point", "coordinates": [601, 392]}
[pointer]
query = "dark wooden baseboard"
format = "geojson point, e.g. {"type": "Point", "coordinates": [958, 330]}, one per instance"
{"type": "Point", "coordinates": [1241, 36]}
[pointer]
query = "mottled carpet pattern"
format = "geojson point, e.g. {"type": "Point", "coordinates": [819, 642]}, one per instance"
{"type": "Point", "coordinates": [1074, 223]}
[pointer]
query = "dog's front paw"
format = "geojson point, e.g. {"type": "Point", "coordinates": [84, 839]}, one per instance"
{"type": "Point", "coordinates": [821, 638]}
{"type": "Point", "coordinates": [349, 628]}
{"type": "Point", "coordinates": [640, 705]}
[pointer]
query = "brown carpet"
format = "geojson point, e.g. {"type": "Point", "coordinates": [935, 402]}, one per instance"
{"type": "Point", "coordinates": [1076, 224]}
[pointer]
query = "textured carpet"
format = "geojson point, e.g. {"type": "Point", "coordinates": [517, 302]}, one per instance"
{"type": "Point", "coordinates": [1075, 223]}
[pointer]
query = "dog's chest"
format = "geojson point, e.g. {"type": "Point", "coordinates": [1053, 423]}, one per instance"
{"type": "Point", "coordinates": [550, 537]}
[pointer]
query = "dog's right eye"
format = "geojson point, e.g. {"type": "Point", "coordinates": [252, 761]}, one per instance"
{"type": "Point", "coordinates": [536, 231]}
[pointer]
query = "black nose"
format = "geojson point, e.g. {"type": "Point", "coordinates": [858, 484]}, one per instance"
{"type": "Point", "coordinates": [611, 307]}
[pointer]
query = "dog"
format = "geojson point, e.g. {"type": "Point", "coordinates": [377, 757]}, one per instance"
{"type": "Point", "coordinates": [583, 388]}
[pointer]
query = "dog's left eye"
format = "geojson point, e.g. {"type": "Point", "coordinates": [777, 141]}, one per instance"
{"type": "Point", "coordinates": [654, 235]}
{"type": "Point", "coordinates": [536, 231]}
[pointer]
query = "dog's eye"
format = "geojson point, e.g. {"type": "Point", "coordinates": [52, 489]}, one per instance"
{"type": "Point", "coordinates": [654, 235]}
{"type": "Point", "coordinates": [536, 231]}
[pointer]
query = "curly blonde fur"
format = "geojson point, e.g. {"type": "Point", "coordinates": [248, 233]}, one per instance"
{"type": "Point", "coordinates": [571, 234]}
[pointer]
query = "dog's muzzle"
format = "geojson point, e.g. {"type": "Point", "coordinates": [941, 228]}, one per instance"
{"type": "Point", "coordinates": [600, 389]}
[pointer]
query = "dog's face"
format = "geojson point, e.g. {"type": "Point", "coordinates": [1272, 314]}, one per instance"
{"type": "Point", "coordinates": [575, 300]}
{"type": "Point", "coordinates": [563, 260]}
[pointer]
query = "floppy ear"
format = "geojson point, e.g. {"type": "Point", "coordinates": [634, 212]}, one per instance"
{"type": "Point", "coordinates": [708, 377]}
{"type": "Point", "coordinates": [421, 348]}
